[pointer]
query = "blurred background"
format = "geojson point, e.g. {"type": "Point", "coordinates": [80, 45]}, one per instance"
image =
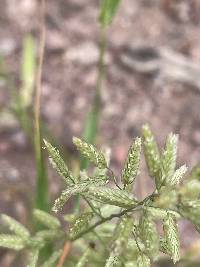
{"type": "Point", "coordinates": [152, 75]}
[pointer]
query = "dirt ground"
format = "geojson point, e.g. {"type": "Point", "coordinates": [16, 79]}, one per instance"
{"type": "Point", "coordinates": [129, 98]}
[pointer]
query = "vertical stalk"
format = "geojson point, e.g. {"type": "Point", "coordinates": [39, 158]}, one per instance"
{"type": "Point", "coordinates": [92, 119]}
{"type": "Point", "coordinates": [42, 182]}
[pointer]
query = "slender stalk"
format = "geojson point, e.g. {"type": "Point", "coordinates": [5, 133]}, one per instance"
{"type": "Point", "coordinates": [65, 253]}
{"type": "Point", "coordinates": [42, 183]}
{"type": "Point", "coordinates": [112, 216]}
{"type": "Point", "coordinates": [92, 120]}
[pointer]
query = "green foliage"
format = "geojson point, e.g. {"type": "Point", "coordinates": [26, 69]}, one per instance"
{"type": "Point", "coordinates": [131, 167]}
{"type": "Point", "coordinates": [108, 11]}
{"type": "Point", "coordinates": [113, 228]}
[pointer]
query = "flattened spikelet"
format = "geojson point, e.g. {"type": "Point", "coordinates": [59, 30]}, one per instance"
{"type": "Point", "coordinates": [131, 167]}
{"type": "Point", "coordinates": [91, 153]}
{"type": "Point", "coordinates": [171, 236]}
{"type": "Point", "coordinates": [151, 151]}
{"type": "Point", "coordinates": [58, 163]}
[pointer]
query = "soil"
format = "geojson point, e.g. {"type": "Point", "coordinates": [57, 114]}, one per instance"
{"type": "Point", "coordinates": [129, 99]}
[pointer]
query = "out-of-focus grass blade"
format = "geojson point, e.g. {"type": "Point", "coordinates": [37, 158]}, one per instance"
{"type": "Point", "coordinates": [28, 68]}
{"type": "Point", "coordinates": [42, 180]}
{"type": "Point", "coordinates": [108, 11]}
{"type": "Point", "coordinates": [90, 127]}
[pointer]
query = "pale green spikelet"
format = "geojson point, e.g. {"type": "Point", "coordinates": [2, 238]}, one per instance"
{"type": "Point", "coordinates": [131, 167]}
{"type": "Point", "coordinates": [66, 194]}
{"type": "Point", "coordinates": [171, 236]}
{"type": "Point", "coordinates": [49, 235]}
{"type": "Point", "coordinates": [36, 242]}
{"type": "Point", "coordinates": [163, 246]}
{"type": "Point", "coordinates": [91, 153]}
{"type": "Point", "coordinates": [158, 213]}
{"type": "Point", "coordinates": [151, 151]}
{"type": "Point", "coordinates": [168, 161]}
{"type": "Point", "coordinates": [143, 261]}
{"type": "Point", "coordinates": [15, 226]}
{"type": "Point", "coordinates": [166, 198]}
{"type": "Point", "coordinates": [113, 261]}
{"type": "Point", "coordinates": [80, 224]}
{"type": "Point", "coordinates": [51, 262]}
{"type": "Point", "coordinates": [12, 242]}
{"type": "Point", "coordinates": [84, 258]}
{"type": "Point", "coordinates": [120, 240]}
{"type": "Point", "coordinates": [149, 235]}
{"type": "Point", "coordinates": [111, 196]}
{"type": "Point", "coordinates": [46, 219]}
{"type": "Point", "coordinates": [59, 164]}
{"type": "Point", "coordinates": [178, 175]}
{"type": "Point", "coordinates": [33, 258]}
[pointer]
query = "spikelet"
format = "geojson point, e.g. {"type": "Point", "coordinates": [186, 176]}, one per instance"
{"type": "Point", "coordinates": [111, 196]}
{"type": "Point", "coordinates": [149, 235]}
{"type": "Point", "coordinates": [33, 258]}
{"type": "Point", "coordinates": [158, 213]}
{"type": "Point", "coordinates": [80, 224]}
{"type": "Point", "coordinates": [84, 258]}
{"type": "Point", "coordinates": [12, 242]}
{"type": "Point", "coordinates": [15, 226]}
{"type": "Point", "coordinates": [143, 261]}
{"type": "Point", "coordinates": [171, 236]}
{"type": "Point", "coordinates": [51, 262]}
{"type": "Point", "coordinates": [113, 261]}
{"type": "Point", "coordinates": [178, 176]}
{"type": "Point", "coordinates": [168, 161]}
{"type": "Point", "coordinates": [151, 151]}
{"type": "Point", "coordinates": [46, 219]}
{"type": "Point", "coordinates": [48, 235]}
{"type": "Point", "coordinates": [91, 153]}
{"type": "Point", "coordinates": [66, 194]}
{"type": "Point", "coordinates": [131, 167]}
{"type": "Point", "coordinates": [58, 163]}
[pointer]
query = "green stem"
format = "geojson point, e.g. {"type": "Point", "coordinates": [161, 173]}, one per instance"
{"type": "Point", "coordinates": [112, 216]}
{"type": "Point", "coordinates": [92, 119]}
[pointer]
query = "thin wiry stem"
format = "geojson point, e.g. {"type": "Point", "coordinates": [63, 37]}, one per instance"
{"type": "Point", "coordinates": [112, 216]}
